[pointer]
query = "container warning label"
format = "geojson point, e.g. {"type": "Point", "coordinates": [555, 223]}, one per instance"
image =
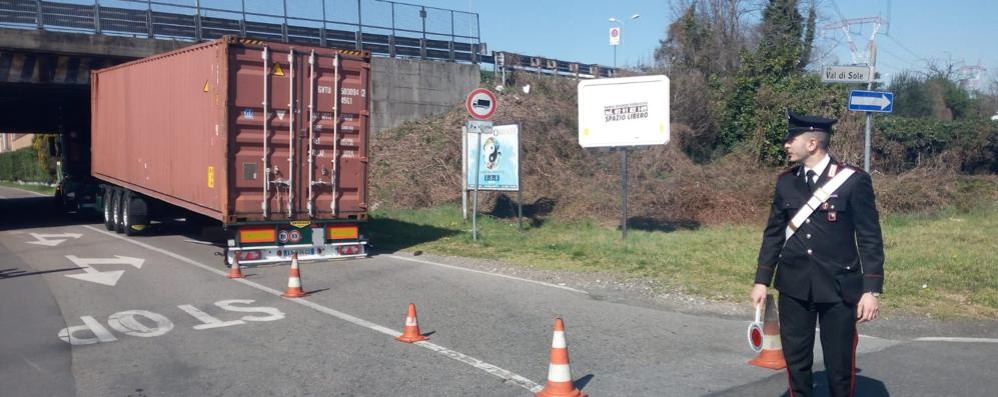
{"type": "Point", "coordinates": [211, 177]}
{"type": "Point", "coordinates": [630, 111]}
{"type": "Point", "coordinates": [277, 70]}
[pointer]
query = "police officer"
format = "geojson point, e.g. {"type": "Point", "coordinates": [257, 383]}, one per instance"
{"type": "Point", "coordinates": [824, 245]}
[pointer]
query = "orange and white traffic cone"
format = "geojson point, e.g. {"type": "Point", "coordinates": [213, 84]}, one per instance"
{"type": "Point", "coordinates": [411, 332]}
{"type": "Point", "coordinates": [294, 280]}
{"type": "Point", "coordinates": [559, 374]}
{"type": "Point", "coordinates": [771, 355]}
{"type": "Point", "coordinates": [234, 271]}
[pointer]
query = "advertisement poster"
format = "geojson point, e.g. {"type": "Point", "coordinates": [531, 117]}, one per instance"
{"type": "Point", "coordinates": [497, 158]}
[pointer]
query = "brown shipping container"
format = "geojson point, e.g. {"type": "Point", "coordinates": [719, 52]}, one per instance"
{"type": "Point", "coordinates": [243, 131]}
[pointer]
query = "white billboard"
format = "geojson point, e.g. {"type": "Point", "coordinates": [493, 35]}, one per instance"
{"type": "Point", "coordinates": [625, 111]}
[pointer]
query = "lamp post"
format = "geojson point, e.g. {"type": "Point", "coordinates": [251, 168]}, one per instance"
{"type": "Point", "coordinates": [615, 35]}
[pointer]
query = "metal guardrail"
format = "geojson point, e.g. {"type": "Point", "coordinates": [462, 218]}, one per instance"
{"type": "Point", "coordinates": [383, 27]}
{"type": "Point", "coordinates": [512, 61]}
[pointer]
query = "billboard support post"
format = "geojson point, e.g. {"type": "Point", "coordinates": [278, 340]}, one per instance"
{"type": "Point", "coordinates": [623, 192]}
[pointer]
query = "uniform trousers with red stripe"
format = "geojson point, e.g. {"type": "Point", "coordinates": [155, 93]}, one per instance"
{"type": "Point", "coordinates": [838, 344]}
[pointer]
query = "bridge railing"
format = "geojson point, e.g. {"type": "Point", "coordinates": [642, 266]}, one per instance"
{"type": "Point", "coordinates": [383, 27]}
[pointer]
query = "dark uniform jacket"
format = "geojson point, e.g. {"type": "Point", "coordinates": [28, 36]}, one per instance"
{"type": "Point", "coordinates": [837, 254]}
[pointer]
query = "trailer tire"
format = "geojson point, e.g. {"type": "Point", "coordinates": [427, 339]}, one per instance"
{"type": "Point", "coordinates": [108, 204]}
{"type": "Point", "coordinates": [118, 195]}
{"type": "Point", "coordinates": [133, 213]}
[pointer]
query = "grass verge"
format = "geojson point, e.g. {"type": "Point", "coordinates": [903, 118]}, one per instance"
{"type": "Point", "coordinates": [942, 265]}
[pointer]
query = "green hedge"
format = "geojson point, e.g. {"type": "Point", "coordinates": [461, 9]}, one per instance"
{"type": "Point", "coordinates": [968, 146]}
{"type": "Point", "coordinates": [22, 165]}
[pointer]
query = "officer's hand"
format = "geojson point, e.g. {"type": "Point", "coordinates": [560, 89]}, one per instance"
{"type": "Point", "coordinates": [758, 295]}
{"type": "Point", "coordinates": [867, 308]}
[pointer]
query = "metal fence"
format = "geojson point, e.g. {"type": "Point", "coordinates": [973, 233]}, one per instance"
{"type": "Point", "coordinates": [383, 27]}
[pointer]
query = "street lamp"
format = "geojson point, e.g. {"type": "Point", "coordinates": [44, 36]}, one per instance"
{"type": "Point", "coordinates": [615, 38]}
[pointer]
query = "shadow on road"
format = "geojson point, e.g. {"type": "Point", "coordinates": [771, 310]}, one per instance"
{"type": "Point", "coordinates": [37, 212]}
{"type": "Point", "coordinates": [865, 386]}
{"type": "Point", "coordinates": [392, 235]}
{"type": "Point", "coordinates": [15, 272]}
{"type": "Point", "coordinates": [583, 381]}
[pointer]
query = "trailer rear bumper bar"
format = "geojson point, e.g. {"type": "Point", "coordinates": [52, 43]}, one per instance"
{"type": "Point", "coordinates": [256, 255]}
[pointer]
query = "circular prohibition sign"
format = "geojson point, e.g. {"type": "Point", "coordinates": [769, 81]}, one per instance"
{"type": "Point", "coordinates": [481, 104]}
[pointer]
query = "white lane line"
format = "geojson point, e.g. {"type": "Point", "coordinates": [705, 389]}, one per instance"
{"type": "Point", "coordinates": [474, 362]}
{"type": "Point", "coordinates": [486, 273]}
{"type": "Point", "coordinates": [961, 340]}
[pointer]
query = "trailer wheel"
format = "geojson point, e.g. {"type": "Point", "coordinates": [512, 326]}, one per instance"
{"type": "Point", "coordinates": [118, 195]}
{"type": "Point", "coordinates": [108, 205]}
{"type": "Point", "coordinates": [133, 213]}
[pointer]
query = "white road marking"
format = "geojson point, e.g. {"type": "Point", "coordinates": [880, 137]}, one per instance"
{"type": "Point", "coordinates": [960, 340]}
{"type": "Point", "coordinates": [52, 240]}
{"type": "Point", "coordinates": [109, 278]}
{"type": "Point", "coordinates": [208, 320]}
{"type": "Point", "coordinates": [474, 362]}
{"type": "Point", "coordinates": [486, 273]}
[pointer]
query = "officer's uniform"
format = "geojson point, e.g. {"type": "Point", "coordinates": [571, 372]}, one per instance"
{"type": "Point", "coordinates": [834, 257]}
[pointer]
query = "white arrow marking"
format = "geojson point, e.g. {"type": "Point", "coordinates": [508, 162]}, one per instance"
{"type": "Point", "coordinates": [878, 101]}
{"type": "Point", "coordinates": [109, 278]}
{"type": "Point", "coordinates": [46, 239]}
{"type": "Point", "coordinates": [117, 260]}
{"type": "Point", "coordinates": [95, 276]}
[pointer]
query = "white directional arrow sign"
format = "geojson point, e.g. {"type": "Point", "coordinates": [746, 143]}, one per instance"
{"type": "Point", "coordinates": [871, 101]}
{"type": "Point", "coordinates": [879, 102]}
{"type": "Point", "coordinates": [109, 278]}
{"type": "Point", "coordinates": [52, 240]}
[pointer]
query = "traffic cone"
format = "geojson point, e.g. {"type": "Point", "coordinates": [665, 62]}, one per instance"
{"type": "Point", "coordinates": [559, 374]}
{"type": "Point", "coordinates": [294, 280]}
{"type": "Point", "coordinates": [411, 331]}
{"type": "Point", "coordinates": [771, 355]}
{"type": "Point", "coordinates": [234, 271]}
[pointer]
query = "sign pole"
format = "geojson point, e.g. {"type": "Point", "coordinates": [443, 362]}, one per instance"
{"type": "Point", "coordinates": [869, 115]}
{"type": "Point", "coordinates": [623, 194]}
{"type": "Point", "coordinates": [464, 172]}
{"type": "Point", "coordinates": [474, 208]}
{"type": "Point", "coordinates": [866, 142]}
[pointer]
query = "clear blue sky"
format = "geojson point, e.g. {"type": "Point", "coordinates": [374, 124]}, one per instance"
{"type": "Point", "coordinates": [963, 31]}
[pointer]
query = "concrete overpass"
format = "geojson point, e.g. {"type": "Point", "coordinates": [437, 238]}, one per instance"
{"type": "Point", "coordinates": [48, 48]}
{"type": "Point", "coordinates": [45, 76]}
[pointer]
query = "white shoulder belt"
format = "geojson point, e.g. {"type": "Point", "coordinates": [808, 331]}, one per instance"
{"type": "Point", "coordinates": [821, 195]}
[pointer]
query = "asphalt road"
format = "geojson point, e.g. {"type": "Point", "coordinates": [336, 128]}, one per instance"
{"type": "Point", "coordinates": [173, 324]}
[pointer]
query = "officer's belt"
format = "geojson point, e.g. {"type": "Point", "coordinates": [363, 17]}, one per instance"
{"type": "Point", "coordinates": [820, 196]}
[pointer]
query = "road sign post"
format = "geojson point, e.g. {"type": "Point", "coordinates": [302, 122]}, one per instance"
{"type": "Point", "coordinates": [481, 105]}
{"type": "Point", "coordinates": [870, 102]}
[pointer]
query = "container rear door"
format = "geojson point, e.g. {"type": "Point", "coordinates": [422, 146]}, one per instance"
{"type": "Point", "coordinates": [291, 156]}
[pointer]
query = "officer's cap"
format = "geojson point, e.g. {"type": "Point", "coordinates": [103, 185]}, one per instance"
{"type": "Point", "coordinates": [799, 124]}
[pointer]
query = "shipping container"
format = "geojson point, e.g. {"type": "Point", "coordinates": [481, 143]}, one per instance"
{"type": "Point", "coordinates": [269, 139]}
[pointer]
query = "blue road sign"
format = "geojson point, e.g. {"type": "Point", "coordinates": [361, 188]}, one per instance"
{"type": "Point", "coordinates": [871, 101]}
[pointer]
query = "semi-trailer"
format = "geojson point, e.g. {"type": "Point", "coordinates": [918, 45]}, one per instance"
{"type": "Point", "coordinates": [268, 139]}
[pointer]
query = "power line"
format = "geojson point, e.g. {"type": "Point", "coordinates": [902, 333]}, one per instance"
{"type": "Point", "coordinates": [903, 47]}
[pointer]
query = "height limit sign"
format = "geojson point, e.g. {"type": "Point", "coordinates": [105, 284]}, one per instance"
{"type": "Point", "coordinates": [481, 104]}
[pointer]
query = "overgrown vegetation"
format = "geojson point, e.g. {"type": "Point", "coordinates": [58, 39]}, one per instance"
{"type": "Point", "coordinates": [698, 202]}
